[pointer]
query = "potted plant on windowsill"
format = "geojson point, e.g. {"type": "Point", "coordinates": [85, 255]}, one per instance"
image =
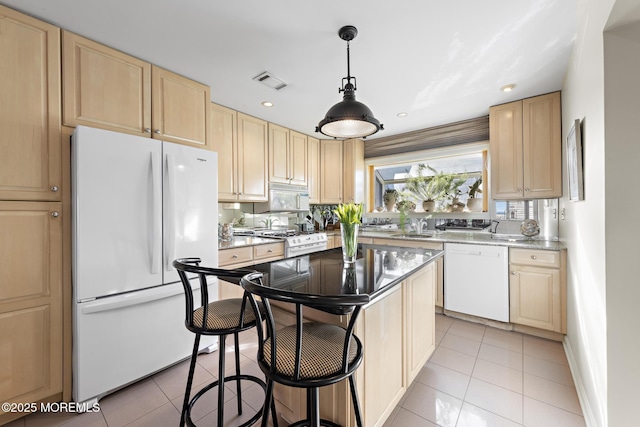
{"type": "Point", "coordinates": [454, 192]}
{"type": "Point", "coordinates": [389, 199]}
{"type": "Point", "coordinates": [474, 203]}
{"type": "Point", "coordinates": [429, 188]}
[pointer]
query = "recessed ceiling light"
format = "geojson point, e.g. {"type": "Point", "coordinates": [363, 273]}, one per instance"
{"type": "Point", "coordinates": [267, 104]}
{"type": "Point", "coordinates": [403, 114]}
{"type": "Point", "coordinates": [508, 88]}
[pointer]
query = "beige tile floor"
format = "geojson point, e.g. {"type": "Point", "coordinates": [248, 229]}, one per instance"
{"type": "Point", "coordinates": [477, 376]}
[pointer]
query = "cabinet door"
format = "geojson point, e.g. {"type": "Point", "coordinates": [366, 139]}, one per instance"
{"type": "Point", "coordinates": [313, 169]}
{"type": "Point", "coordinates": [223, 125]}
{"type": "Point", "coordinates": [420, 320]}
{"type": "Point", "coordinates": [252, 159]}
{"type": "Point", "coordinates": [30, 159]}
{"type": "Point", "coordinates": [330, 171]}
{"type": "Point", "coordinates": [353, 164]}
{"type": "Point", "coordinates": [105, 88]}
{"type": "Point", "coordinates": [30, 302]}
{"type": "Point", "coordinates": [383, 363]}
{"type": "Point", "coordinates": [542, 145]}
{"type": "Point", "coordinates": [298, 158]}
{"type": "Point", "coordinates": [279, 154]}
{"type": "Point", "coordinates": [505, 130]}
{"type": "Point", "coordinates": [535, 297]}
{"type": "Point", "coordinates": [180, 109]}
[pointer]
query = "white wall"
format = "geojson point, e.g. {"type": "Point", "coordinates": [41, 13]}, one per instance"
{"type": "Point", "coordinates": [602, 89]}
{"type": "Point", "coordinates": [583, 230]}
{"type": "Point", "coordinates": [622, 158]}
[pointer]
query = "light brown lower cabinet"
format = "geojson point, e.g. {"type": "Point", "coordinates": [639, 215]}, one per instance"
{"type": "Point", "coordinates": [538, 289]}
{"type": "Point", "coordinates": [397, 331]}
{"type": "Point", "coordinates": [30, 303]}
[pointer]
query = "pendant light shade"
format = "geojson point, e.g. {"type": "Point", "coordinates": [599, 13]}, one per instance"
{"type": "Point", "coordinates": [349, 118]}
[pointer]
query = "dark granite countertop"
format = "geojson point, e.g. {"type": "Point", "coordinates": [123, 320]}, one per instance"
{"type": "Point", "coordinates": [377, 269]}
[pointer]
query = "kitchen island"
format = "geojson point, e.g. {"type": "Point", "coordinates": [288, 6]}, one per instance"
{"type": "Point", "coordinates": [396, 327]}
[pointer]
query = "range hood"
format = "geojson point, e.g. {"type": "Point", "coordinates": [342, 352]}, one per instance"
{"type": "Point", "coordinates": [284, 198]}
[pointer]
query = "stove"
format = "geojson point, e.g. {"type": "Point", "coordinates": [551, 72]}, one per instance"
{"type": "Point", "coordinates": [303, 244]}
{"type": "Point", "coordinates": [295, 243]}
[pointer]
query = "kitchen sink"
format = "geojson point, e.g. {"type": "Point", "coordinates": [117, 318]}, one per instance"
{"type": "Point", "coordinates": [414, 235]}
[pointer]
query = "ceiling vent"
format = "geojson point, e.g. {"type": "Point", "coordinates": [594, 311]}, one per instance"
{"type": "Point", "coordinates": [269, 80]}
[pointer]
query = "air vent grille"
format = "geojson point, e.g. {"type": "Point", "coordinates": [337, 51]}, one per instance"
{"type": "Point", "coordinates": [267, 79]}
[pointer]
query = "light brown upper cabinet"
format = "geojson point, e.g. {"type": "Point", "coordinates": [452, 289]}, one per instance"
{"type": "Point", "coordinates": [242, 146]}
{"type": "Point", "coordinates": [353, 163]}
{"type": "Point", "coordinates": [287, 156]}
{"type": "Point", "coordinates": [313, 169]}
{"type": "Point", "coordinates": [105, 88]}
{"type": "Point", "coordinates": [180, 110]}
{"type": "Point", "coordinates": [525, 145]}
{"type": "Point", "coordinates": [331, 172]}
{"type": "Point", "coordinates": [30, 162]}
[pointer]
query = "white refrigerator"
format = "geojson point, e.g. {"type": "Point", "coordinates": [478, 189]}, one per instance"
{"type": "Point", "coordinates": [138, 204]}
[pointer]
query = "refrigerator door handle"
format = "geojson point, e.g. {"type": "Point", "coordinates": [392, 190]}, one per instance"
{"type": "Point", "coordinates": [170, 236]}
{"type": "Point", "coordinates": [134, 298]}
{"type": "Point", "coordinates": [156, 189]}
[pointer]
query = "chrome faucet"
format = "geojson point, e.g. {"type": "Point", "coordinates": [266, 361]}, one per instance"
{"type": "Point", "coordinates": [494, 228]}
{"type": "Point", "coordinates": [420, 224]}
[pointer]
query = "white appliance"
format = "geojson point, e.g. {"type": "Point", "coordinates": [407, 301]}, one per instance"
{"type": "Point", "coordinates": [285, 198]}
{"type": "Point", "coordinates": [304, 244]}
{"type": "Point", "coordinates": [138, 203]}
{"type": "Point", "coordinates": [476, 280]}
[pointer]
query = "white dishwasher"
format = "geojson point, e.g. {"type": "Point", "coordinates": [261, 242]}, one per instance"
{"type": "Point", "coordinates": [476, 280]}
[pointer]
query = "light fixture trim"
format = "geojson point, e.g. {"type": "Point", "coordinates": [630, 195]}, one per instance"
{"type": "Point", "coordinates": [349, 118]}
{"type": "Point", "coordinates": [267, 104]}
{"type": "Point", "coordinates": [508, 88]}
{"type": "Point", "coordinates": [402, 114]}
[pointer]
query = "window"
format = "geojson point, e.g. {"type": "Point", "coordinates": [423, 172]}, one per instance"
{"type": "Point", "coordinates": [468, 162]}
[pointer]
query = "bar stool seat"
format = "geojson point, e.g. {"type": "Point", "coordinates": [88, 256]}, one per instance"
{"type": "Point", "coordinates": [219, 318]}
{"type": "Point", "coordinates": [307, 354]}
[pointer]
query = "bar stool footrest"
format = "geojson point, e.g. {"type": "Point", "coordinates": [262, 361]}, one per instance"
{"type": "Point", "coordinates": [325, 423]}
{"type": "Point", "coordinates": [214, 384]}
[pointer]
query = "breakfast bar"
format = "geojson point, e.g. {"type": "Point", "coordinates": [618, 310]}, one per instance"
{"type": "Point", "coordinates": [396, 326]}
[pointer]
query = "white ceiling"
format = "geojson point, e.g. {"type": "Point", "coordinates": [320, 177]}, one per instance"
{"type": "Point", "coordinates": [438, 61]}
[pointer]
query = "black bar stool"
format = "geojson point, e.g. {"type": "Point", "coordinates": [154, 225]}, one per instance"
{"type": "Point", "coordinates": [221, 318]}
{"type": "Point", "coordinates": [307, 355]}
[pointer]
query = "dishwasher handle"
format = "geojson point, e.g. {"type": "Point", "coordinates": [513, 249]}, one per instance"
{"type": "Point", "coordinates": [475, 253]}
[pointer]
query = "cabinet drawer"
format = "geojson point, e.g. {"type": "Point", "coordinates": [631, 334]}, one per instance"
{"type": "Point", "coordinates": [235, 256]}
{"type": "Point", "coordinates": [539, 258]}
{"type": "Point", "coordinates": [268, 250]}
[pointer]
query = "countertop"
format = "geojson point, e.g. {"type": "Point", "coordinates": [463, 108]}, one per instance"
{"type": "Point", "coordinates": [378, 268]}
{"type": "Point", "coordinates": [477, 238]}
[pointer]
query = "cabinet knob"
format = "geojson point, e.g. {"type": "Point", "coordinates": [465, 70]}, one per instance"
{"type": "Point", "coordinates": [55, 214]}
{"type": "Point", "coordinates": [147, 130]}
{"type": "Point", "coordinates": [55, 188]}
{"type": "Point", "coordinates": [157, 131]}
{"type": "Point", "coordinates": [533, 257]}
{"type": "Point", "coordinates": [513, 273]}
{"type": "Point", "coordinates": [518, 190]}
{"type": "Point", "coordinates": [526, 189]}
{"type": "Point", "coordinates": [270, 250]}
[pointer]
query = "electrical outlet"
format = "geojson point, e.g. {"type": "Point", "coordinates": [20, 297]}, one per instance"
{"type": "Point", "coordinates": [562, 215]}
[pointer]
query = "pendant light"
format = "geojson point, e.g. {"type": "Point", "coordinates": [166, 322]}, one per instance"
{"type": "Point", "coordinates": [349, 118]}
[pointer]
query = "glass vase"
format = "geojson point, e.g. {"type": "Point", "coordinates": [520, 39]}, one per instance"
{"type": "Point", "coordinates": [349, 234]}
